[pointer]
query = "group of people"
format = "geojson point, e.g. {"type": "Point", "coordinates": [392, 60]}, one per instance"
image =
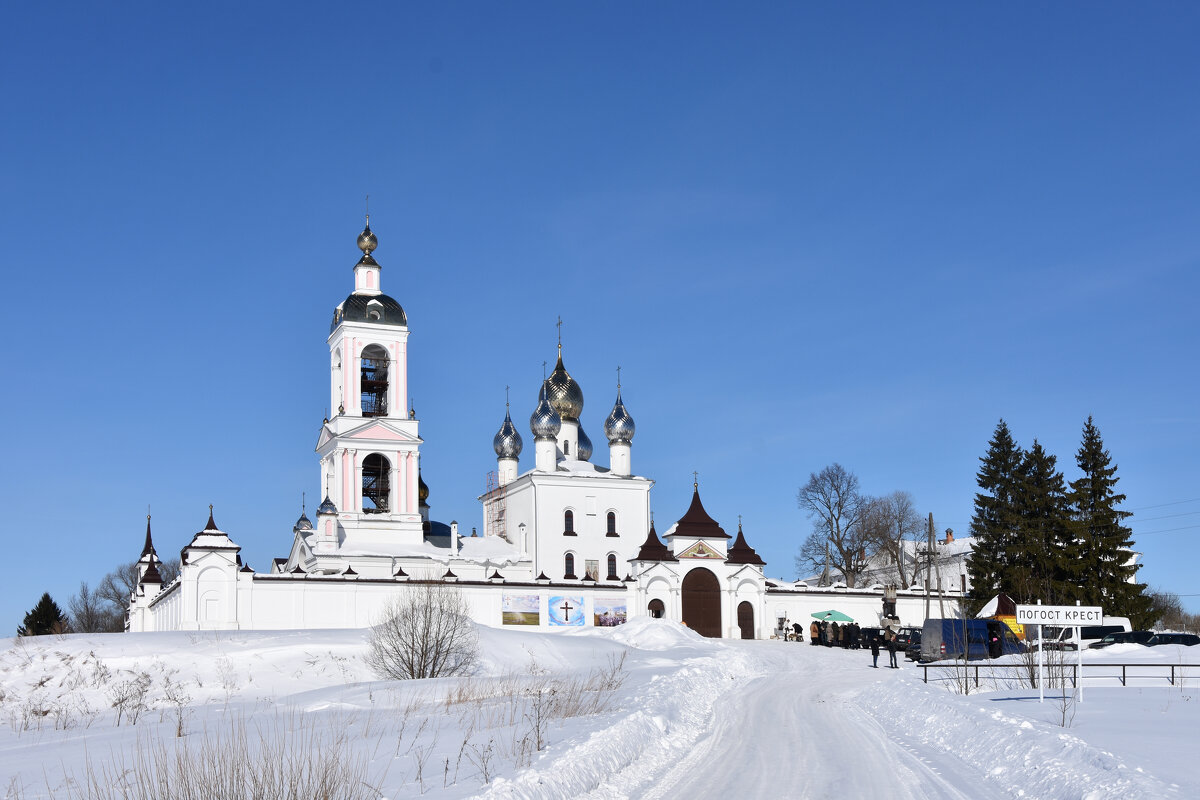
{"type": "Point", "coordinates": [831, 634]}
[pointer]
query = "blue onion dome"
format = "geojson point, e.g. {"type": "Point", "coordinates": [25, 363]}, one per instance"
{"type": "Point", "coordinates": [545, 421]}
{"type": "Point", "coordinates": [619, 427]}
{"type": "Point", "coordinates": [564, 393]}
{"type": "Point", "coordinates": [507, 442]}
{"type": "Point", "coordinates": [584, 450]}
{"type": "Point", "coordinates": [303, 525]}
{"type": "Point", "coordinates": [326, 507]}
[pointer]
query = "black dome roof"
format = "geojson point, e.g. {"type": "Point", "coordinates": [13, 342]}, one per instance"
{"type": "Point", "coordinates": [378, 309]}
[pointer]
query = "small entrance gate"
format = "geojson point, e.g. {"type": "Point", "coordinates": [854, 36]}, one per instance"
{"type": "Point", "coordinates": [702, 602]}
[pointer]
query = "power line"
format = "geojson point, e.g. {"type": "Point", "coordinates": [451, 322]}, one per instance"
{"type": "Point", "coordinates": [1161, 505]}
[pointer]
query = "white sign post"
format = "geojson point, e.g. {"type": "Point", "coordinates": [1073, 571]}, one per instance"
{"type": "Point", "coordinates": [1063, 616]}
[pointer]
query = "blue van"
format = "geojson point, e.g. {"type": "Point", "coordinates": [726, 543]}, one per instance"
{"type": "Point", "coordinates": [969, 638]}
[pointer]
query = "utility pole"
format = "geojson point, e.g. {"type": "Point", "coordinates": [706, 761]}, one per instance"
{"type": "Point", "coordinates": [928, 562]}
{"type": "Point", "coordinates": [933, 550]}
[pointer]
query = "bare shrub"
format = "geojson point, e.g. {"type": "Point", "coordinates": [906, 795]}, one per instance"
{"type": "Point", "coordinates": [129, 697]}
{"type": "Point", "coordinates": [290, 757]}
{"type": "Point", "coordinates": [426, 632]}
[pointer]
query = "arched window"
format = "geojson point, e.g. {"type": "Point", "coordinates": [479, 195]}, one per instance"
{"type": "Point", "coordinates": [569, 566]}
{"type": "Point", "coordinates": [376, 484]}
{"type": "Point", "coordinates": [612, 567]}
{"type": "Point", "coordinates": [566, 448]}
{"type": "Point", "coordinates": [568, 523]}
{"type": "Point", "coordinates": [374, 381]}
{"type": "Point", "coordinates": [612, 524]}
{"type": "Point", "coordinates": [656, 609]}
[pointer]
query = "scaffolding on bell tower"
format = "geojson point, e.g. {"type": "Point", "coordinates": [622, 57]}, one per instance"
{"type": "Point", "coordinates": [495, 508]}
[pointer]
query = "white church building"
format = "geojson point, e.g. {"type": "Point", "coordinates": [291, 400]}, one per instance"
{"type": "Point", "coordinates": [566, 543]}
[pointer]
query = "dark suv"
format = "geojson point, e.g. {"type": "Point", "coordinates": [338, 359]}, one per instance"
{"type": "Point", "coordinates": [913, 651]}
{"type": "Point", "coordinates": [1187, 639]}
{"type": "Point", "coordinates": [905, 637]}
{"type": "Point", "coordinates": [1124, 637]}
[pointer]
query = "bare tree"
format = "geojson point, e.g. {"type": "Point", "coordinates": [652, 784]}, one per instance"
{"type": "Point", "coordinates": [835, 505]}
{"type": "Point", "coordinates": [425, 632]}
{"type": "Point", "coordinates": [91, 613]}
{"type": "Point", "coordinates": [116, 587]}
{"type": "Point", "coordinates": [890, 523]}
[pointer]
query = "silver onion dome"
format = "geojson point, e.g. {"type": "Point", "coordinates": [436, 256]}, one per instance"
{"type": "Point", "coordinates": [367, 240]}
{"type": "Point", "coordinates": [507, 442]}
{"type": "Point", "coordinates": [326, 507]}
{"type": "Point", "coordinates": [584, 446]}
{"type": "Point", "coordinates": [304, 524]}
{"type": "Point", "coordinates": [545, 421]}
{"type": "Point", "coordinates": [564, 393]}
{"type": "Point", "coordinates": [619, 427]}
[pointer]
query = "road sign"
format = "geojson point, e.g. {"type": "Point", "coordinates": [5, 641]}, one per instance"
{"type": "Point", "coordinates": [1062, 616]}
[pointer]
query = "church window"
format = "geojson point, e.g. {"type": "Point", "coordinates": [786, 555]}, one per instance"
{"type": "Point", "coordinates": [376, 484]}
{"type": "Point", "coordinates": [568, 523]}
{"type": "Point", "coordinates": [612, 524]}
{"type": "Point", "coordinates": [374, 381]}
{"type": "Point", "coordinates": [566, 448]}
{"type": "Point", "coordinates": [612, 567]}
{"type": "Point", "coordinates": [569, 566]}
{"type": "Point", "coordinates": [656, 609]}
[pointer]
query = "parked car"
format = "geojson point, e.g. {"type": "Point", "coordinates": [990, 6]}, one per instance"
{"type": "Point", "coordinates": [913, 651]}
{"type": "Point", "coordinates": [1186, 639]}
{"type": "Point", "coordinates": [904, 637]}
{"type": "Point", "coordinates": [1123, 637]}
{"type": "Point", "coordinates": [868, 635]}
{"type": "Point", "coordinates": [1056, 638]}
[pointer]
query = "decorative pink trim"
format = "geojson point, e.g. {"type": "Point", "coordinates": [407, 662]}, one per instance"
{"type": "Point", "coordinates": [346, 475]}
{"type": "Point", "coordinates": [378, 431]}
{"type": "Point", "coordinates": [412, 485]}
{"type": "Point", "coordinates": [371, 279]}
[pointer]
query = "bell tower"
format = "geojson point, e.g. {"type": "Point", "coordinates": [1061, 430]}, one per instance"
{"type": "Point", "coordinates": [369, 448]}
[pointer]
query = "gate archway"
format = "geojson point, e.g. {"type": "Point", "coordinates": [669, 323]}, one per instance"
{"type": "Point", "coordinates": [746, 619]}
{"type": "Point", "coordinates": [702, 602]}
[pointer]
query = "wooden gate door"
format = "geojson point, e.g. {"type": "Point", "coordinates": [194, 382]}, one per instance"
{"type": "Point", "coordinates": [746, 619]}
{"type": "Point", "coordinates": [702, 602]}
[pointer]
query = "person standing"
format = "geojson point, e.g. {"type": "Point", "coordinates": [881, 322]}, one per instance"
{"type": "Point", "coordinates": [875, 653]}
{"type": "Point", "coordinates": [814, 634]}
{"type": "Point", "coordinates": [891, 646]}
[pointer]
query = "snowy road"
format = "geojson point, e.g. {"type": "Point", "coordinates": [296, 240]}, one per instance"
{"type": "Point", "coordinates": [818, 742]}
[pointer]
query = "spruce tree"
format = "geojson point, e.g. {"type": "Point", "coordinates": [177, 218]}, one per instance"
{"type": "Point", "coordinates": [46, 617]}
{"type": "Point", "coordinates": [995, 523]}
{"type": "Point", "coordinates": [1104, 544]}
{"type": "Point", "coordinates": [1043, 554]}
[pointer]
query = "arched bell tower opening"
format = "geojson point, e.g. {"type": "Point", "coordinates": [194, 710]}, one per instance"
{"type": "Point", "coordinates": [374, 381]}
{"type": "Point", "coordinates": [702, 602]}
{"type": "Point", "coordinates": [376, 485]}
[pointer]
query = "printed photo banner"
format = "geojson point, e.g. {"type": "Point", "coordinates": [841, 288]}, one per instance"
{"type": "Point", "coordinates": [607, 614]}
{"type": "Point", "coordinates": [520, 609]}
{"type": "Point", "coordinates": [566, 610]}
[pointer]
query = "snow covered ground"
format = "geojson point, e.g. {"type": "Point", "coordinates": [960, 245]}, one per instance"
{"type": "Point", "coordinates": [648, 709]}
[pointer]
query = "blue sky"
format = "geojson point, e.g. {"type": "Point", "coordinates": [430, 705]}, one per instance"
{"type": "Point", "coordinates": [807, 234]}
